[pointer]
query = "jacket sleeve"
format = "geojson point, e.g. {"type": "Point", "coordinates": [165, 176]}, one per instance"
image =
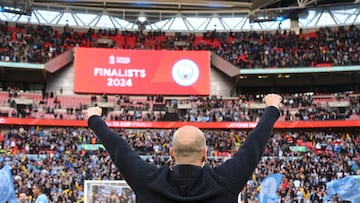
{"type": "Point", "coordinates": [236, 171]}
{"type": "Point", "coordinates": [131, 166]}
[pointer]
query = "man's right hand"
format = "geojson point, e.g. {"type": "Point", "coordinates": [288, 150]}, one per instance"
{"type": "Point", "coordinates": [273, 100]}
{"type": "Point", "coordinates": [93, 111]}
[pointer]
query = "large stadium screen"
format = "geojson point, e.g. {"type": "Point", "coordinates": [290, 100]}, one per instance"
{"type": "Point", "coordinates": [118, 71]}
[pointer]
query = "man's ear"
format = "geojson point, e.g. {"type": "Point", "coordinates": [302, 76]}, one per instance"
{"type": "Point", "coordinates": [172, 154]}
{"type": "Point", "coordinates": [204, 155]}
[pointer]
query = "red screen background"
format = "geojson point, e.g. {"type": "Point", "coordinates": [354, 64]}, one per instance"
{"type": "Point", "coordinates": [157, 64]}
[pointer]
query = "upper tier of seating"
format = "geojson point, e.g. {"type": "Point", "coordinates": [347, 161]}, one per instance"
{"type": "Point", "coordinates": [324, 47]}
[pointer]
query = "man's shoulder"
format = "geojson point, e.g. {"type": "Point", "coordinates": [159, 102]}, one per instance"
{"type": "Point", "coordinates": [42, 199]}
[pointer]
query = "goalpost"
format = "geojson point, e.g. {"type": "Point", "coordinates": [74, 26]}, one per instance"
{"type": "Point", "coordinates": [99, 190]}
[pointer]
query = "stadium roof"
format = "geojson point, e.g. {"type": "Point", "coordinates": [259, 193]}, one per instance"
{"type": "Point", "coordinates": [162, 14]}
{"type": "Point", "coordinates": [157, 10]}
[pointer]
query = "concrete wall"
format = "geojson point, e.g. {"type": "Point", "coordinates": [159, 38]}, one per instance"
{"type": "Point", "coordinates": [220, 84]}
{"type": "Point", "coordinates": [63, 78]}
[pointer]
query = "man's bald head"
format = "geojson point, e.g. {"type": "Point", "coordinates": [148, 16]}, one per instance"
{"type": "Point", "coordinates": [188, 145]}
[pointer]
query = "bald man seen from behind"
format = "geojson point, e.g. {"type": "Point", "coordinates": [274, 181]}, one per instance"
{"type": "Point", "coordinates": [190, 180]}
{"type": "Point", "coordinates": [188, 146]}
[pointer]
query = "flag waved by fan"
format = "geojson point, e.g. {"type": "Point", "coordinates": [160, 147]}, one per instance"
{"type": "Point", "coordinates": [7, 191]}
{"type": "Point", "coordinates": [347, 188]}
{"type": "Point", "coordinates": [269, 188]}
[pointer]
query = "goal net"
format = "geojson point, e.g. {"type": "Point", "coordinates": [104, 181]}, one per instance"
{"type": "Point", "coordinates": [96, 191]}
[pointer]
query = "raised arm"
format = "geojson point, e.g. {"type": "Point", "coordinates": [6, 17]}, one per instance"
{"type": "Point", "coordinates": [131, 166]}
{"type": "Point", "coordinates": [236, 171]}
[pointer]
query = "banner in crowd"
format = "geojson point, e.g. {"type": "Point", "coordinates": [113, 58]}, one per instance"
{"type": "Point", "coordinates": [91, 147]}
{"type": "Point", "coordinates": [269, 188]}
{"type": "Point", "coordinates": [298, 149]}
{"type": "Point", "coordinates": [174, 124]}
{"type": "Point", "coordinates": [347, 188]}
{"type": "Point", "coordinates": [7, 191]}
{"type": "Point", "coordinates": [119, 71]}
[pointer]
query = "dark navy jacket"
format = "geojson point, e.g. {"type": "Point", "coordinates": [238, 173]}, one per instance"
{"type": "Point", "coordinates": [187, 183]}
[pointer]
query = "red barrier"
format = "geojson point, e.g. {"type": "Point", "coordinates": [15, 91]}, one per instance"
{"type": "Point", "coordinates": [168, 125]}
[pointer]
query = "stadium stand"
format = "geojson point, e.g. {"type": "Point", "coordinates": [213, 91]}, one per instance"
{"type": "Point", "coordinates": [57, 156]}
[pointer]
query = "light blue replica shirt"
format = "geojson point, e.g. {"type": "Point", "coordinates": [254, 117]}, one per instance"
{"type": "Point", "coordinates": [42, 199]}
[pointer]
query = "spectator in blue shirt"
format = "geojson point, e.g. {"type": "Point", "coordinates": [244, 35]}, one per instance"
{"type": "Point", "coordinates": [38, 193]}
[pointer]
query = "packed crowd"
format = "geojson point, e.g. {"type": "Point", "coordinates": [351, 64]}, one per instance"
{"type": "Point", "coordinates": [194, 109]}
{"type": "Point", "coordinates": [57, 159]}
{"type": "Point", "coordinates": [296, 107]}
{"type": "Point", "coordinates": [325, 47]}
